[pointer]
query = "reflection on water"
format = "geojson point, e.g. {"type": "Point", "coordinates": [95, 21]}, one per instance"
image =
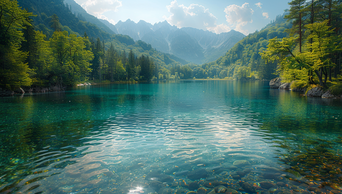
{"type": "Point", "coordinates": [187, 137]}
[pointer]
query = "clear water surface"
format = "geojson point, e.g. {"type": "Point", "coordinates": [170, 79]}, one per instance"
{"type": "Point", "coordinates": [184, 137]}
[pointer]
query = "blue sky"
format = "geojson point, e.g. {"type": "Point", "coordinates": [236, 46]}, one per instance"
{"type": "Point", "coordinates": [218, 16]}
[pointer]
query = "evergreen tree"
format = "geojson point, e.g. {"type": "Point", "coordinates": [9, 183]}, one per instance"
{"type": "Point", "coordinates": [55, 23]}
{"type": "Point", "coordinates": [131, 72]}
{"type": "Point", "coordinates": [296, 14]}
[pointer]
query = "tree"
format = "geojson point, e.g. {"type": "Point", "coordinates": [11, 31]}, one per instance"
{"type": "Point", "coordinates": [296, 13]}
{"type": "Point", "coordinates": [55, 23]}
{"type": "Point", "coordinates": [14, 72]}
{"type": "Point", "coordinates": [71, 62]}
{"type": "Point", "coordinates": [295, 66]}
{"type": "Point", "coordinates": [111, 62]}
{"type": "Point", "coordinates": [131, 73]}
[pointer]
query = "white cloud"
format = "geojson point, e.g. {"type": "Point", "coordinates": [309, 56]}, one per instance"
{"type": "Point", "coordinates": [259, 5]}
{"type": "Point", "coordinates": [265, 14]}
{"type": "Point", "coordinates": [109, 20]}
{"type": "Point", "coordinates": [239, 16]}
{"type": "Point", "coordinates": [196, 16]}
{"type": "Point", "coordinates": [220, 29]}
{"type": "Point", "coordinates": [98, 7]}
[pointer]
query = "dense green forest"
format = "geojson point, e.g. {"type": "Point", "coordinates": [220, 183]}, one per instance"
{"type": "Point", "coordinates": [311, 55]}
{"type": "Point", "coordinates": [56, 55]}
{"type": "Point", "coordinates": [63, 50]}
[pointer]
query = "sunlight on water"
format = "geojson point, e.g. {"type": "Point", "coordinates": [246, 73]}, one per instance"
{"type": "Point", "coordinates": [200, 136]}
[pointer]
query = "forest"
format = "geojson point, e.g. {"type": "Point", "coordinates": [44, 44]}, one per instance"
{"type": "Point", "coordinates": [311, 55]}
{"type": "Point", "coordinates": [301, 46]}
{"type": "Point", "coordinates": [29, 58]}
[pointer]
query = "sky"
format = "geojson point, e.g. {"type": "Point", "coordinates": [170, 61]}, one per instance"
{"type": "Point", "coordinates": [245, 16]}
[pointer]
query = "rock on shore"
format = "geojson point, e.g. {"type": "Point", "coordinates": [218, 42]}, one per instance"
{"type": "Point", "coordinates": [275, 83]}
{"type": "Point", "coordinates": [313, 92]}
{"type": "Point", "coordinates": [24, 90]}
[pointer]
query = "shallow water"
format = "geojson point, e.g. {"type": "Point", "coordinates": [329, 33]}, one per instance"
{"type": "Point", "coordinates": [170, 138]}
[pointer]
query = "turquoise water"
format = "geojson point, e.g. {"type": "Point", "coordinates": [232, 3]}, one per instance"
{"type": "Point", "coordinates": [184, 137]}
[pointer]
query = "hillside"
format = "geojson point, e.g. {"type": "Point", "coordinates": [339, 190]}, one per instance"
{"type": "Point", "coordinates": [83, 15]}
{"type": "Point", "coordinates": [244, 56]}
{"type": "Point", "coordinates": [45, 9]}
{"type": "Point", "coordinates": [67, 11]}
{"type": "Point", "coordinates": [194, 45]}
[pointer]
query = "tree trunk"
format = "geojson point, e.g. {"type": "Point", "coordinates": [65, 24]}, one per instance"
{"type": "Point", "coordinates": [300, 32]}
{"type": "Point", "coordinates": [319, 75]}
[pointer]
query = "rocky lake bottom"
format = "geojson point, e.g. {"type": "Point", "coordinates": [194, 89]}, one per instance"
{"type": "Point", "coordinates": [195, 137]}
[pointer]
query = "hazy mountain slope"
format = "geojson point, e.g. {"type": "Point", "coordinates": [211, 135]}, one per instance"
{"type": "Point", "coordinates": [45, 9]}
{"type": "Point", "coordinates": [197, 46]}
{"type": "Point", "coordinates": [109, 25]}
{"type": "Point", "coordinates": [126, 43]}
{"type": "Point", "coordinates": [185, 47]}
{"type": "Point", "coordinates": [74, 25]}
{"type": "Point", "coordinates": [214, 45]}
{"type": "Point", "coordinates": [83, 15]}
{"type": "Point", "coordinates": [246, 51]}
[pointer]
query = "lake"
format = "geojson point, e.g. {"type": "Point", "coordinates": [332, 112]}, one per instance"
{"type": "Point", "coordinates": [183, 137]}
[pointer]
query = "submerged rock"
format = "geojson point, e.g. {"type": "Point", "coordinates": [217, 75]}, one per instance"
{"type": "Point", "coordinates": [181, 191]}
{"type": "Point", "coordinates": [231, 191]}
{"type": "Point", "coordinates": [193, 185]}
{"type": "Point", "coordinates": [247, 187]}
{"type": "Point", "coordinates": [181, 173]}
{"type": "Point", "coordinates": [166, 191]}
{"type": "Point", "coordinates": [156, 185]}
{"type": "Point", "coordinates": [201, 190]}
{"type": "Point", "coordinates": [212, 192]}
{"type": "Point", "coordinates": [244, 172]}
{"type": "Point", "coordinates": [241, 163]}
{"type": "Point", "coordinates": [198, 174]}
{"type": "Point", "coordinates": [266, 185]}
{"type": "Point", "coordinates": [275, 176]}
{"type": "Point", "coordinates": [236, 177]}
{"type": "Point", "coordinates": [220, 189]}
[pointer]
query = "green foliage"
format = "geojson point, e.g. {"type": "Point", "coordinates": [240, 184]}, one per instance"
{"type": "Point", "coordinates": [246, 54]}
{"type": "Point", "coordinates": [310, 57]}
{"type": "Point", "coordinates": [71, 59]}
{"type": "Point", "coordinates": [336, 89]}
{"type": "Point", "coordinates": [14, 72]}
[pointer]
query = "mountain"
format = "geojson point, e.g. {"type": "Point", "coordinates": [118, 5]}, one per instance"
{"type": "Point", "coordinates": [245, 54]}
{"type": "Point", "coordinates": [109, 25]}
{"type": "Point", "coordinates": [194, 45]}
{"type": "Point", "coordinates": [83, 15]}
{"type": "Point", "coordinates": [74, 24]}
{"type": "Point", "coordinates": [69, 22]}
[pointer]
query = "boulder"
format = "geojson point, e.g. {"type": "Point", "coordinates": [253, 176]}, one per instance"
{"type": "Point", "coordinates": [328, 94]}
{"type": "Point", "coordinates": [315, 92]}
{"type": "Point", "coordinates": [275, 83]}
{"type": "Point", "coordinates": [285, 86]}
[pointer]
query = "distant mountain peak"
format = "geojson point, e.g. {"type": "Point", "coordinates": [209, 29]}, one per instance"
{"type": "Point", "coordinates": [195, 45]}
